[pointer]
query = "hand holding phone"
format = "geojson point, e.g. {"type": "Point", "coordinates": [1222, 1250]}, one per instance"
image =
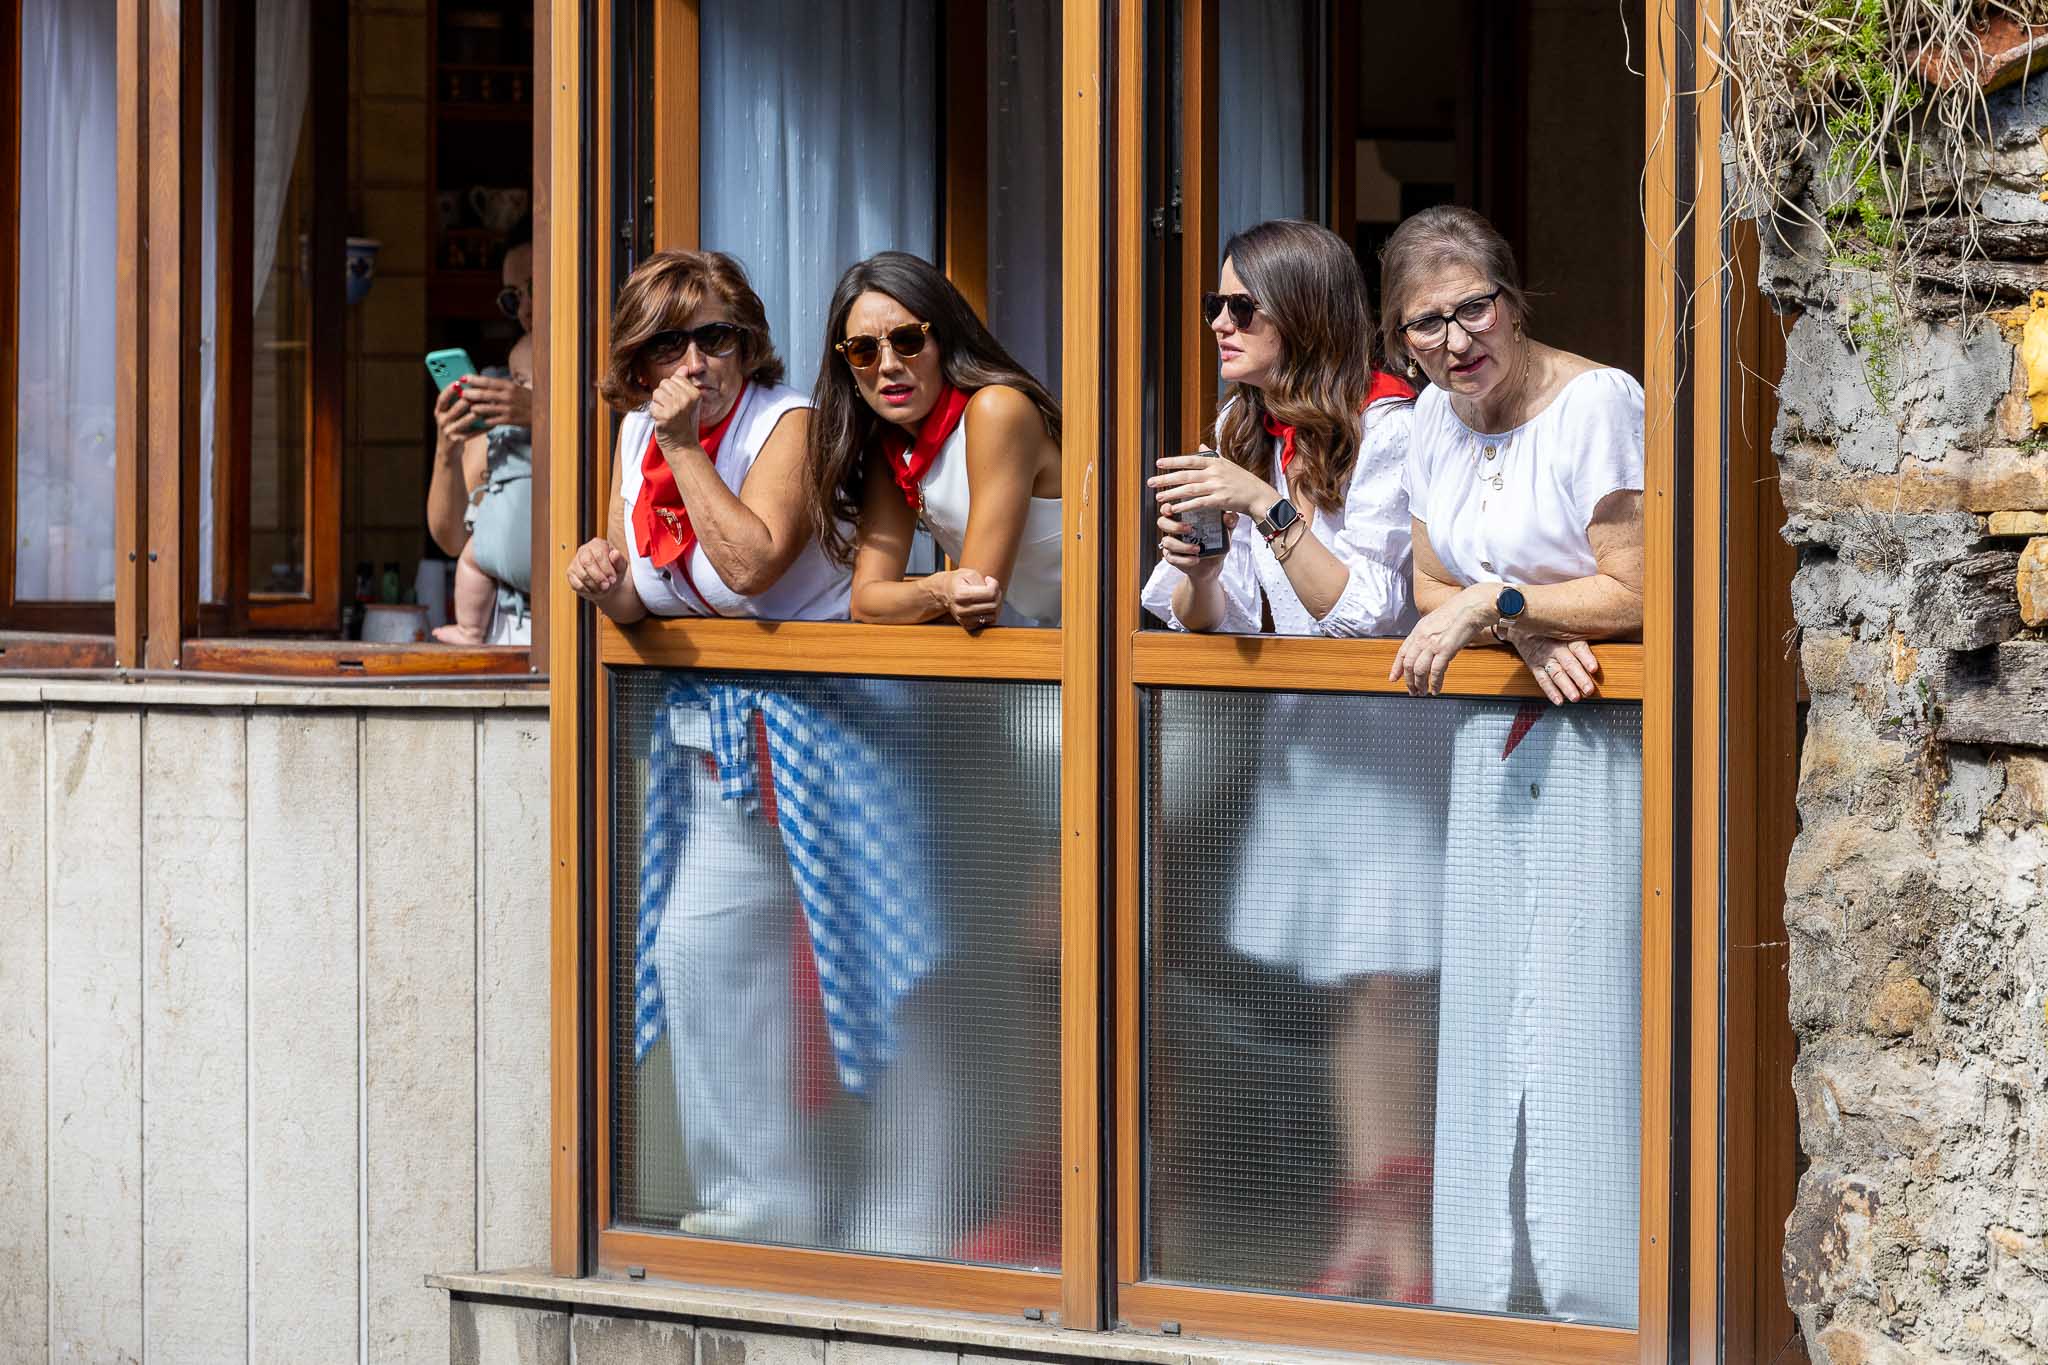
{"type": "Point", "coordinates": [449, 367]}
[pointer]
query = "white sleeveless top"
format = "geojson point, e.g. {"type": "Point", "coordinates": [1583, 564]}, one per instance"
{"type": "Point", "coordinates": [813, 588]}
{"type": "Point", "coordinates": [1032, 596]}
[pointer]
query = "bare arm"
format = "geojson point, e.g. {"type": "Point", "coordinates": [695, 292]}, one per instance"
{"type": "Point", "coordinates": [447, 491]}
{"type": "Point", "coordinates": [881, 552]}
{"type": "Point", "coordinates": [600, 570]}
{"type": "Point", "coordinates": [1434, 584]}
{"type": "Point", "coordinates": [752, 537]}
{"type": "Point", "coordinates": [1606, 604]}
{"type": "Point", "coordinates": [1006, 443]}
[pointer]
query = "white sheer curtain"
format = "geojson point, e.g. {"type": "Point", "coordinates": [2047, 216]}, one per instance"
{"type": "Point", "coordinates": [282, 59]}
{"type": "Point", "coordinates": [1262, 63]}
{"type": "Point", "coordinates": [1024, 183]}
{"type": "Point", "coordinates": [820, 137]}
{"type": "Point", "coordinates": [64, 545]}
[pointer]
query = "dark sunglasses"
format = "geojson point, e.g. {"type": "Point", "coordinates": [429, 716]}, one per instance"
{"type": "Point", "coordinates": [713, 338]}
{"type": "Point", "coordinates": [1241, 306]}
{"type": "Point", "coordinates": [862, 352]}
{"type": "Point", "coordinates": [509, 299]}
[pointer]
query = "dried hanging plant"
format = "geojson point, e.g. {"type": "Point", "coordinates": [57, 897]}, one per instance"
{"type": "Point", "coordinates": [1857, 119]}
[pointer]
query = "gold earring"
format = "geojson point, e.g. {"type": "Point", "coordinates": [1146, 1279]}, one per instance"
{"type": "Point", "coordinates": [1411, 368]}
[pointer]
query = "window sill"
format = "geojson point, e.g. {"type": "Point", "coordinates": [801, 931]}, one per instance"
{"type": "Point", "coordinates": [200, 691]}
{"type": "Point", "coordinates": [831, 1318]}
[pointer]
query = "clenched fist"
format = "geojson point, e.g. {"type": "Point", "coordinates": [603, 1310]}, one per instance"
{"type": "Point", "coordinates": [674, 410]}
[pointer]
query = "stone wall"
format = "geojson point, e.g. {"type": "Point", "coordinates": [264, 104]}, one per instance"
{"type": "Point", "coordinates": [1917, 906]}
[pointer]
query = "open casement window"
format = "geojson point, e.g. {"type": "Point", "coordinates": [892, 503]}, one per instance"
{"type": "Point", "coordinates": [314, 413]}
{"type": "Point", "coordinates": [60, 120]}
{"type": "Point", "coordinates": [272, 435]}
{"type": "Point", "coordinates": [855, 1133]}
{"type": "Point", "coordinates": [204, 423]}
{"type": "Point", "coordinates": [1358, 1110]}
{"type": "Point", "coordinates": [1289, 1081]}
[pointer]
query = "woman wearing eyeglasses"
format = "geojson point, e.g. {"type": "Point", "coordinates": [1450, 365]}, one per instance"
{"type": "Point", "coordinates": [480, 497]}
{"type": "Point", "coordinates": [711, 515]}
{"type": "Point", "coordinates": [1525, 479]}
{"type": "Point", "coordinates": [1345, 829]}
{"type": "Point", "coordinates": [923, 417]}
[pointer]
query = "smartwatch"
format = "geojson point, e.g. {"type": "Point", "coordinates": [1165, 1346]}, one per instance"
{"type": "Point", "coordinates": [1510, 603]}
{"type": "Point", "coordinates": [1278, 518]}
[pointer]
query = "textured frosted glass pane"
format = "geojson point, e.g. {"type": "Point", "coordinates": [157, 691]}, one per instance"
{"type": "Point", "coordinates": [1392, 995]}
{"type": "Point", "coordinates": [835, 1013]}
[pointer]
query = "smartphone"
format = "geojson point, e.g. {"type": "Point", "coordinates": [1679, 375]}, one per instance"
{"type": "Point", "coordinates": [445, 367]}
{"type": "Point", "coordinates": [1205, 524]}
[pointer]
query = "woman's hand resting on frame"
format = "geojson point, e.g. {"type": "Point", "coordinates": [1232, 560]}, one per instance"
{"type": "Point", "coordinates": [1565, 669]}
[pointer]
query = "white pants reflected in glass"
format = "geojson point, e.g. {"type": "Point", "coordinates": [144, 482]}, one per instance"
{"type": "Point", "coordinates": [724, 955]}
{"type": "Point", "coordinates": [1537, 1152]}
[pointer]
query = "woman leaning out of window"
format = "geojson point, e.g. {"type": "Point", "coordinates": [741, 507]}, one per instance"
{"type": "Point", "coordinates": [922, 416]}
{"type": "Point", "coordinates": [1525, 476]}
{"type": "Point", "coordinates": [1309, 488]}
{"type": "Point", "coordinates": [710, 519]}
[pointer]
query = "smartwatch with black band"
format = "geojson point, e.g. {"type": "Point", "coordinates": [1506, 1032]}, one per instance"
{"type": "Point", "coordinates": [1278, 518]}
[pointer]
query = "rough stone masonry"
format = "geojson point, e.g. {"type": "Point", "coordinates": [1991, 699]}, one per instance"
{"type": "Point", "coordinates": [1917, 895]}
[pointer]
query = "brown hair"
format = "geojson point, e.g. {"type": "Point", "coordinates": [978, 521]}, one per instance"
{"type": "Point", "coordinates": [1308, 282]}
{"type": "Point", "coordinates": [660, 295]}
{"type": "Point", "coordinates": [843, 426]}
{"type": "Point", "coordinates": [1431, 241]}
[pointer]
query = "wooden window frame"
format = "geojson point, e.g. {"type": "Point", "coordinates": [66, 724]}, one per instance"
{"type": "Point", "coordinates": [1108, 256]}
{"type": "Point", "coordinates": [51, 633]}
{"type": "Point", "coordinates": [1640, 673]}
{"type": "Point", "coordinates": [583, 1238]}
{"type": "Point", "coordinates": [156, 622]}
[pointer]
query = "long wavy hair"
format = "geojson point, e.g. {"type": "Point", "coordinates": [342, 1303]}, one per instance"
{"type": "Point", "coordinates": [1307, 281]}
{"type": "Point", "coordinates": [843, 426]}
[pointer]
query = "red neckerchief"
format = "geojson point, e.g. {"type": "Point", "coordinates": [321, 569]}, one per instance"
{"type": "Point", "coordinates": [1383, 385]}
{"type": "Point", "coordinates": [910, 463]}
{"type": "Point", "coordinates": [661, 523]}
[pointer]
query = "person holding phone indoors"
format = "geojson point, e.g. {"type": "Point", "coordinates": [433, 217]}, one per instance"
{"type": "Point", "coordinates": [1312, 441]}
{"type": "Point", "coordinates": [1525, 479]}
{"type": "Point", "coordinates": [480, 496]}
{"type": "Point", "coordinates": [923, 417]}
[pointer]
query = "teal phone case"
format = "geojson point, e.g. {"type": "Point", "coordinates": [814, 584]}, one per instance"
{"type": "Point", "coordinates": [445, 367]}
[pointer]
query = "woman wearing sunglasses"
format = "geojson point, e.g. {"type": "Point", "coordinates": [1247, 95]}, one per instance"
{"type": "Point", "coordinates": [1525, 479]}
{"type": "Point", "coordinates": [480, 497]}
{"type": "Point", "coordinates": [710, 516]}
{"type": "Point", "coordinates": [923, 417]}
{"type": "Point", "coordinates": [1345, 823]}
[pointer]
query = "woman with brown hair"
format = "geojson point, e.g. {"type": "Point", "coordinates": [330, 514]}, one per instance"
{"type": "Point", "coordinates": [1313, 440]}
{"type": "Point", "coordinates": [1525, 481]}
{"type": "Point", "coordinates": [923, 418]}
{"type": "Point", "coordinates": [710, 518]}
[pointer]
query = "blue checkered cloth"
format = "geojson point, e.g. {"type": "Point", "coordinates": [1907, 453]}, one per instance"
{"type": "Point", "coordinates": [851, 833]}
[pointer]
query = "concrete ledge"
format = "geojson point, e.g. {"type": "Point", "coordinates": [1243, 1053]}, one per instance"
{"type": "Point", "coordinates": [342, 697]}
{"type": "Point", "coordinates": [789, 1328]}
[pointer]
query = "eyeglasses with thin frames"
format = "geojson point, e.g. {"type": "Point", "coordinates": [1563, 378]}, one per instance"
{"type": "Point", "coordinates": [864, 352]}
{"type": "Point", "coordinates": [1475, 315]}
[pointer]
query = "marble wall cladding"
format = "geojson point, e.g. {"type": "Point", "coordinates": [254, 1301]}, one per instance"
{"type": "Point", "coordinates": [273, 1025]}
